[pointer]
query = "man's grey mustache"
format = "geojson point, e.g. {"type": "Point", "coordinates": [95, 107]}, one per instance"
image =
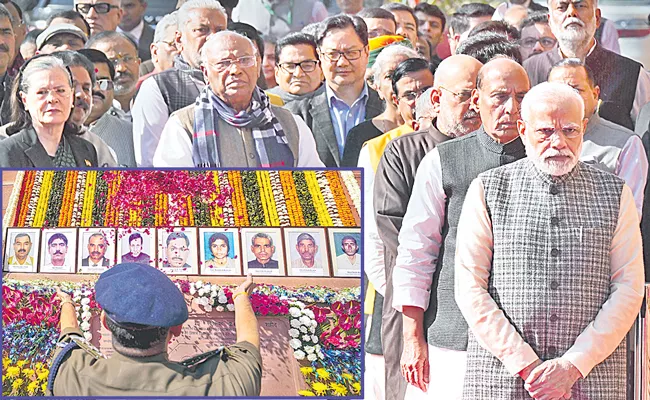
{"type": "Point", "coordinates": [572, 20]}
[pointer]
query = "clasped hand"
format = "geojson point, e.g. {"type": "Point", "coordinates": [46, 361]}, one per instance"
{"type": "Point", "coordinates": [551, 380]}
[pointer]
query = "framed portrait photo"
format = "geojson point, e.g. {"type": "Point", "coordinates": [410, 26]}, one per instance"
{"type": "Point", "coordinates": [177, 251]}
{"type": "Point", "coordinates": [96, 250]}
{"type": "Point", "coordinates": [345, 249]}
{"type": "Point", "coordinates": [306, 250]}
{"type": "Point", "coordinates": [21, 252]}
{"type": "Point", "coordinates": [136, 245]}
{"type": "Point", "coordinates": [219, 251]}
{"type": "Point", "coordinates": [58, 250]}
{"type": "Point", "coordinates": [262, 251]}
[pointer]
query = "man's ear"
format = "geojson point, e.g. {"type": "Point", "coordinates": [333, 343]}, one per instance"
{"type": "Point", "coordinates": [435, 100]}
{"type": "Point", "coordinates": [474, 101]}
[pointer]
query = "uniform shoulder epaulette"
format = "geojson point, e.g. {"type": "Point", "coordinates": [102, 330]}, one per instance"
{"type": "Point", "coordinates": [196, 360]}
{"type": "Point", "coordinates": [70, 343]}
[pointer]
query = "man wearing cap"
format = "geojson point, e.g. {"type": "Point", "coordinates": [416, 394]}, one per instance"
{"type": "Point", "coordinates": [144, 310]}
{"type": "Point", "coordinates": [60, 37]}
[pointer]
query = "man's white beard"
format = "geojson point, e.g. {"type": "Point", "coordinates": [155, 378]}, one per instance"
{"type": "Point", "coordinates": [552, 167]}
{"type": "Point", "coordinates": [575, 38]}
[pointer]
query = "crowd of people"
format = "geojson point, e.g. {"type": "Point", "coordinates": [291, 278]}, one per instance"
{"type": "Point", "coordinates": [498, 265]}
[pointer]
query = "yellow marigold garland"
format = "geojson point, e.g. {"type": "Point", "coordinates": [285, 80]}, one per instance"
{"type": "Point", "coordinates": [342, 204]}
{"type": "Point", "coordinates": [29, 186]}
{"type": "Point", "coordinates": [263, 198]}
{"type": "Point", "coordinates": [324, 218]}
{"type": "Point", "coordinates": [41, 208]}
{"type": "Point", "coordinates": [291, 198]}
{"type": "Point", "coordinates": [89, 199]}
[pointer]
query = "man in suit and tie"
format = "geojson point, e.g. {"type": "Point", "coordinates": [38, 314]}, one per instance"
{"type": "Point", "coordinates": [345, 100]}
{"type": "Point", "coordinates": [133, 24]}
{"type": "Point", "coordinates": [96, 251]}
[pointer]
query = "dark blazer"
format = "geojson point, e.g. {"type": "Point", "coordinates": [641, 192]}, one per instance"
{"type": "Point", "coordinates": [24, 150]}
{"type": "Point", "coordinates": [314, 110]}
{"type": "Point", "coordinates": [144, 52]}
{"type": "Point", "coordinates": [645, 221]}
{"type": "Point", "coordinates": [86, 262]}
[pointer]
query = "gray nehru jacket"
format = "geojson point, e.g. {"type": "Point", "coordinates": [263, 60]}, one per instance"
{"type": "Point", "coordinates": [550, 272]}
{"type": "Point", "coordinates": [462, 160]}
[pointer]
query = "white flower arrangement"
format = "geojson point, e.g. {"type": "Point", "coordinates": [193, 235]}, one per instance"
{"type": "Point", "coordinates": [303, 341]}
{"type": "Point", "coordinates": [83, 311]}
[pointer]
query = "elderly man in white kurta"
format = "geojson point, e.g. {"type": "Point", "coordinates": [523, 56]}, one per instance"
{"type": "Point", "coordinates": [549, 268]}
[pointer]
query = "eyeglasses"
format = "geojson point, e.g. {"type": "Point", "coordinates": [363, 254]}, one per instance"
{"type": "Point", "coordinates": [349, 55]}
{"type": "Point", "coordinates": [569, 132]}
{"type": "Point", "coordinates": [120, 59]}
{"type": "Point", "coordinates": [104, 84]}
{"type": "Point", "coordinates": [463, 96]}
{"type": "Point", "coordinates": [412, 95]}
{"type": "Point", "coordinates": [100, 8]}
{"type": "Point", "coordinates": [170, 43]}
{"type": "Point", "coordinates": [305, 66]}
{"type": "Point", "coordinates": [60, 92]}
{"type": "Point", "coordinates": [545, 41]}
{"type": "Point", "coordinates": [244, 62]}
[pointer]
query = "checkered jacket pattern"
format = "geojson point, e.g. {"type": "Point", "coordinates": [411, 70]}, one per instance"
{"type": "Point", "coordinates": [550, 271]}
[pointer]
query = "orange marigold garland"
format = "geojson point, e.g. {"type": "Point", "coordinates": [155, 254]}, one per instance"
{"type": "Point", "coordinates": [342, 205]}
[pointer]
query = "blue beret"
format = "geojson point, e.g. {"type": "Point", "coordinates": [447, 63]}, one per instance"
{"type": "Point", "coordinates": [140, 294]}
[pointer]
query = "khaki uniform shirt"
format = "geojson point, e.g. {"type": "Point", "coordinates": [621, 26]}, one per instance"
{"type": "Point", "coordinates": [237, 374]}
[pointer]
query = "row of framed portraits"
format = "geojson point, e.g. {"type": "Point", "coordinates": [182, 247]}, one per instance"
{"type": "Point", "coordinates": [317, 252]}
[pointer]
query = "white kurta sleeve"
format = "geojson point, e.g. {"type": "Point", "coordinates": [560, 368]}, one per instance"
{"type": "Point", "coordinates": [175, 147]}
{"type": "Point", "coordinates": [632, 166]}
{"type": "Point", "coordinates": [307, 153]}
{"type": "Point", "coordinates": [420, 237]}
{"type": "Point", "coordinates": [150, 114]}
{"type": "Point", "coordinates": [474, 247]}
{"type": "Point", "coordinates": [602, 336]}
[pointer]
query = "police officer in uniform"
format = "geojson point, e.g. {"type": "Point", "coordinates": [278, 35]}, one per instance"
{"type": "Point", "coordinates": [144, 310]}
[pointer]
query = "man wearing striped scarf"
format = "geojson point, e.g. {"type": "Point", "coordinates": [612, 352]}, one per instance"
{"type": "Point", "coordinates": [232, 124]}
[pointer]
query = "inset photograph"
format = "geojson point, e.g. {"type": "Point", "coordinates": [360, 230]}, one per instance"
{"type": "Point", "coordinates": [137, 245]}
{"type": "Point", "coordinates": [345, 251]}
{"type": "Point", "coordinates": [219, 252]}
{"type": "Point", "coordinates": [96, 250]}
{"type": "Point", "coordinates": [306, 250]}
{"type": "Point", "coordinates": [177, 250]}
{"type": "Point", "coordinates": [263, 253]}
{"type": "Point", "coordinates": [58, 250]}
{"type": "Point", "coordinates": [21, 253]}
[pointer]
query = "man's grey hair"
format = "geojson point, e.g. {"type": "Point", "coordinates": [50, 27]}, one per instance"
{"type": "Point", "coordinates": [549, 92]}
{"type": "Point", "coordinates": [110, 37]}
{"type": "Point", "coordinates": [389, 54]}
{"type": "Point", "coordinates": [222, 37]}
{"type": "Point", "coordinates": [261, 235]}
{"type": "Point", "coordinates": [305, 236]}
{"type": "Point", "coordinates": [4, 13]}
{"type": "Point", "coordinates": [97, 234]}
{"type": "Point", "coordinates": [167, 21]}
{"type": "Point", "coordinates": [423, 104]}
{"type": "Point", "coordinates": [184, 11]}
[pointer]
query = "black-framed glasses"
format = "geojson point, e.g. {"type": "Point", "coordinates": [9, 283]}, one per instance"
{"type": "Point", "coordinates": [244, 62]}
{"type": "Point", "coordinates": [545, 41]}
{"type": "Point", "coordinates": [305, 66]}
{"type": "Point", "coordinates": [569, 132]}
{"type": "Point", "coordinates": [100, 8]}
{"type": "Point", "coordinates": [412, 95]}
{"type": "Point", "coordinates": [104, 84]}
{"type": "Point", "coordinates": [462, 96]}
{"type": "Point", "coordinates": [349, 55]}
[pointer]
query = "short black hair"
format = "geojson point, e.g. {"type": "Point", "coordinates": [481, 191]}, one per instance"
{"type": "Point", "coordinates": [178, 235]}
{"type": "Point", "coordinates": [485, 46]}
{"type": "Point", "coordinates": [219, 236]}
{"type": "Point", "coordinates": [401, 7]}
{"type": "Point", "coordinates": [406, 67]}
{"type": "Point", "coordinates": [432, 11]}
{"type": "Point", "coordinates": [476, 10]}
{"type": "Point", "coordinates": [575, 63]}
{"type": "Point", "coordinates": [459, 23]}
{"type": "Point", "coordinates": [56, 236]}
{"type": "Point", "coordinates": [135, 236]}
{"type": "Point", "coordinates": [136, 336]}
{"type": "Point", "coordinates": [342, 21]}
{"type": "Point", "coordinates": [294, 39]}
{"type": "Point", "coordinates": [68, 14]}
{"type": "Point", "coordinates": [19, 11]}
{"type": "Point", "coordinates": [250, 32]}
{"type": "Point", "coordinates": [97, 56]}
{"type": "Point", "coordinates": [32, 35]}
{"type": "Point", "coordinates": [22, 234]}
{"type": "Point", "coordinates": [110, 36]}
{"type": "Point", "coordinates": [75, 59]}
{"type": "Point", "coordinates": [496, 26]}
{"type": "Point", "coordinates": [538, 17]}
{"type": "Point", "coordinates": [377, 13]}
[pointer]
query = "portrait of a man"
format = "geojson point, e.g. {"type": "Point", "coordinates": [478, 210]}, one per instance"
{"type": "Point", "coordinates": [346, 257]}
{"type": "Point", "coordinates": [58, 251]}
{"type": "Point", "coordinates": [178, 249]}
{"type": "Point", "coordinates": [20, 255]}
{"type": "Point", "coordinates": [306, 251]}
{"type": "Point", "coordinates": [136, 253]}
{"type": "Point", "coordinates": [220, 251]}
{"type": "Point", "coordinates": [97, 245]}
{"type": "Point", "coordinates": [264, 253]}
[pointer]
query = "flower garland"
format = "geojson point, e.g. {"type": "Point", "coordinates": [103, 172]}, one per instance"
{"type": "Point", "coordinates": [352, 185]}
{"type": "Point", "coordinates": [291, 198]}
{"type": "Point", "coordinates": [67, 202]}
{"type": "Point", "coordinates": [305, 199]}
{"type": "Point", "coordinates": [227, 207]}
{"type": "Point", "coordinates": [84, 299]}
{"type": "Point", "coordinates": [324, 218]}
{"type": "Point", "coordinates": [280, 201]}
{"type": "Point", "coordinates": [55, 201]}
{"type": "Point", "coordinates": [33, 202]}
{"type": "Point", "coordinates": [304, 340]}
{"type": "Point", "coordinates": [89, 199]}
{"type": "Point", "coordinates": [101, 188]}
{"type": "Point", "coordinates": [344, 212]}
{"type": "Point", "coordinates": [15, 200]}
{"type": "Point", "coordinates": [264, 181]}
{"type": "Point", "coordinates": [238, 200]}
{"type": "Point", "coordinates": [41, 208]}
{"type": "Point", "coordinates": [328, 198]}
{"type": "Point", "coordinates": [254, 204]}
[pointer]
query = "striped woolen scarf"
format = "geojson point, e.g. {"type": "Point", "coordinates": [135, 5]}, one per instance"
{"type": "Point", "coordinates": [270, 141]}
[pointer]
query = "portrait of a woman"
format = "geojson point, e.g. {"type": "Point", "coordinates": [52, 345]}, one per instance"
{"type": "Point", "coordinates": [219, 245]}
